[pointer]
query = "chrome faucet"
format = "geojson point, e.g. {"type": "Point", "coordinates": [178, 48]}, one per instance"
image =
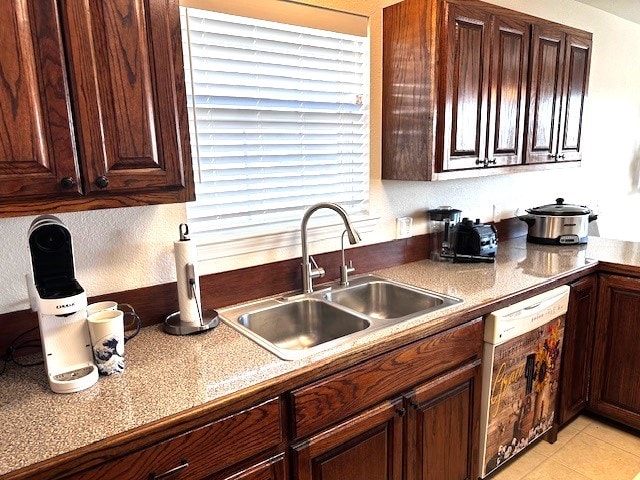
{"type": "Point", "coordinates": [309, 271]}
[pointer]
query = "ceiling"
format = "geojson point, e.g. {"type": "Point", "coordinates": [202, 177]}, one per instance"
{"type": "Point", "coordinates": [629, 9]}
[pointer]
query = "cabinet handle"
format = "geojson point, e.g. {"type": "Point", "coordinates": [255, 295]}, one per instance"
{"type": "Point", "coordinates": [486, 162]}
{"type": "Point", "coordinates": [67, 182]}
{"type": "Point", "coordinates": [552, 155]}
{"type": "Point", "coordinates": [560, 156]}
{"type": "Point", "coordinates": [169, 473]}
{"type": "Point", "coordinates": [102, 182]}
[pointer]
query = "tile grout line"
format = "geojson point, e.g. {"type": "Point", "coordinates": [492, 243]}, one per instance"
{"type": "Point", "coordinates": [637, 455]}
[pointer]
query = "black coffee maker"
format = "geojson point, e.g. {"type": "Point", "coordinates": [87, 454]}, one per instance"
{"type": "Point", "coordinates": [464, 240]}
{"type": "Point", "coordinates": [474, 241]}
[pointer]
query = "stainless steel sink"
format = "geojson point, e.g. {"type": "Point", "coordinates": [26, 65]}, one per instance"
{"type": "Point", "coordinates": [305, 324]}
{"type": "Point", "coordinates": [382, 299]}
{"type": "Point", "coordinates": [302, 324]}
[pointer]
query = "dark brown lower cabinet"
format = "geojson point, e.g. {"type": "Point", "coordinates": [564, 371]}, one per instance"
{"type": "Point", "coordinates": [577, 349]}
{"type": "Point", "coordinates": [365, 447]}
{"type": "Point", "coordinates": [615, 391]}
{"type": "Point", "coordinates": [443, 426]}
{"type": "Point", "coordinates": [221, 449]}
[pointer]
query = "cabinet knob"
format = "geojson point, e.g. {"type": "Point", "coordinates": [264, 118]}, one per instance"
{"type": "Point", "coordinates": [560, 156]}
{"type": "Point", "coordinates": [102, 182]}
{"type": "Point", "coordinates": [67, 183]}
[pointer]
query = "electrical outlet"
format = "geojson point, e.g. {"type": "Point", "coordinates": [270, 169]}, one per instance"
{"type": "Point", "coordinates": [403, 227]}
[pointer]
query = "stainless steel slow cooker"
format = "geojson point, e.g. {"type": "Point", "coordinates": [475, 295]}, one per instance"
{"type": "Point", "coordinates": [558, 223]}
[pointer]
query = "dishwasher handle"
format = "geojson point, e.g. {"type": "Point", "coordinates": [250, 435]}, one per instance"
{"type": "Point", "coordinates": [546, 303]}
{"type": "Point", "coordinates": [522, 317]}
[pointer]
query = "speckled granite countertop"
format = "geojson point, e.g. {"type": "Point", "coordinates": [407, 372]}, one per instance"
{"type": "Point", "coordinates": [166, 375]}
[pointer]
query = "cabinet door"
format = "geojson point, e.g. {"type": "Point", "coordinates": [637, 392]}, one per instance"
{"type": "Point", "coordinates": [37, 152]}
{"type": "Point", "coordinates": [365, 447]}
{"type": "Point", "coordinates": [547, 63]}
{"type": "Point", "coordinates": [577, 349]}
{"type": "Point", "coordinates": [508, 90]}
{"type": "Point", "coordinates": [443, 426]}
{"type": "Point", "coordinates": [577, 61]}
{"type": "Point", "coordinates": [616, 356]}
{"type": "Point", "coordinates": [462, 125]}
{"type": "Point", "coordinates": [127, 80]}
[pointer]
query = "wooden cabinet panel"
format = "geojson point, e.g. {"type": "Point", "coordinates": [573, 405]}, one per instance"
{"type": "Point", "coordinates": [559, 80]}
{"type": "Point", "coordinates": [409, 90]}
{"type": "Point", "coordinates": [577, 62]}
{"type": "Point", "coordinates": [508, 90]}
{"type": "Point", "coordinates": [37, 150]}
{"type": "Point", "coordinates": [443, 426]}
{"type": "Point", "coordinates": [203, 451]}
{"type": "Point", "coordinates": [125, 74]}
{"type": "Point", "coordinates": [365, 447]}
{"type": "Point", "coordinates": [465, 50]}
{"type": "Point", "coordinates": [547, 63]}
{"type": "Point", "coordinates": [577, 349]}
{"type": "Point", "coordinates": [483, 95]}
{"type": "Point", "coordinates": [271, 469]}
{"type": "Point", "coordinates": [343, 394]}
{"type": "Point", "coordinates": [616, 356]}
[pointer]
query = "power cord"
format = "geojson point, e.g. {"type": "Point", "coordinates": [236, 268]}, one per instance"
{"type": "Point", "coordinates": [16, 345]}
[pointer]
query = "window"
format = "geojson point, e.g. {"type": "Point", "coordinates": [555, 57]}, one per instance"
{"type": "Point", "coordinates": [279, 120]}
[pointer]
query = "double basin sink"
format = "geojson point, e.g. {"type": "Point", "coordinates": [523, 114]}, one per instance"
{"type": "Point", "coordinates": [296, 327]}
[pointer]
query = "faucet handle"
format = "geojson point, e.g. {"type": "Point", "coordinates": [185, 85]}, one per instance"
{"type": "Point", "coordinates": [344, 273]}
{"type": "Point", "coordinates": [316, 271]}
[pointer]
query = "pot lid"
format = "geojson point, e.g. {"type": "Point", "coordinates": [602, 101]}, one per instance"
{"type": "Point", "coordinates": [559, 209]}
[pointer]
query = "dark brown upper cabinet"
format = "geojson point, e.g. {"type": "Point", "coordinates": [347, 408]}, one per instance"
{"type": "Point", "coordinates": [484, 90]}
{"type": "Point", "coordinates": [37, 149]}
{"type": "Point", "coordinates": [559, 80]}
{"type": "Point", "coordinates": [456, 98]}
{"type": "Point", "coordinates": [94, 107]}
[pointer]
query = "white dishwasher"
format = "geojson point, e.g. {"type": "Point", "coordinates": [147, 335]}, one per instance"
{"type": "Point", "coordinates": [520, 375]}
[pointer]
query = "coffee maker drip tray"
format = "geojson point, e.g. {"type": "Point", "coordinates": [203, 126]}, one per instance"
{"type": "Point", "coordinates": [74, 374]}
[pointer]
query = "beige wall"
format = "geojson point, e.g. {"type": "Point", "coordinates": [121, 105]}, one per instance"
{"type": "Point", "coordinates": [132, 247]}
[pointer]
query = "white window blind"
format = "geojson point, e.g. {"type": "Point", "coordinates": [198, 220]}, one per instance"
{"type": "Point", "coordinates": [279, 120]}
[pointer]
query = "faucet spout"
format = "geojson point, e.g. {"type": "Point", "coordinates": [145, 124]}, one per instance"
{"type": "Point", "coordinates": [310, 272]}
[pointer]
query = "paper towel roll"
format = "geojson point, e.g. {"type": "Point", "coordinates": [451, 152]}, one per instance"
{"type": "Point", "coordinates": [188, 294]}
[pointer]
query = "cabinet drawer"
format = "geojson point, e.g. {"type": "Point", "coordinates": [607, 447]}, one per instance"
{"type": "Point", "coordinates": [338, 396]}
{"type": "Point", "coordinates": [202, 451]}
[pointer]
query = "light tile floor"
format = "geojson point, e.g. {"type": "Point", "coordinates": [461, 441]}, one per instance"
{"type": "Point", "coordinates": [586, 449]}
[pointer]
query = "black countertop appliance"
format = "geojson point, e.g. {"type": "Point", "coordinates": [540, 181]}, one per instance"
{"type": "Point", "coordinates": [474, 241]}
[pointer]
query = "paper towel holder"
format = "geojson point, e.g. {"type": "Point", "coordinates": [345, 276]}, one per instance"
{"type": "Point", "coordinates": [174, 324]}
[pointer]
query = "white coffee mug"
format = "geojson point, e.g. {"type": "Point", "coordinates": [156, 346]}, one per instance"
{"type": "Point", "coordinates": [106, 329]}
{"type": "Point", "coordinates": [134, 322]}
{"type": "Point", "coordinates": [100, 306]}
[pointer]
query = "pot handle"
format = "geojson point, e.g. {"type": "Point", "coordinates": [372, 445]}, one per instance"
{"type": "Point", "coordinates": [528, 219]}
{"type": "Point", "coordinates": [593, 217]}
